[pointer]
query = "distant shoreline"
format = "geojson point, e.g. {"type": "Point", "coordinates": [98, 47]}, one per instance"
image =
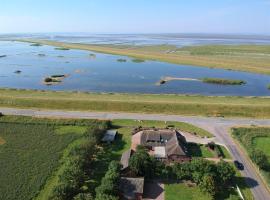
{"type": "Point", "coordinates": [247, 58]}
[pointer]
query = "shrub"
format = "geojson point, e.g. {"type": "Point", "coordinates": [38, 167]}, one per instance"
{"type": "Point", "coordinates": [258, 157]}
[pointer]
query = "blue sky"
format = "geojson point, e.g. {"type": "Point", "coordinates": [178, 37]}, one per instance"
{"type": "Point", "coordinates": [135, 16]}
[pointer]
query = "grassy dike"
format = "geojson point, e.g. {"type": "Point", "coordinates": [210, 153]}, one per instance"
{"type": "Point", "coordinates": [254, 107]}
{"type": "Point", "coordinates": [249, 58]}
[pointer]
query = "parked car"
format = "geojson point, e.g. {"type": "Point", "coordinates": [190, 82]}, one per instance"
{"type": "Point", "coordinates": [238, 165]}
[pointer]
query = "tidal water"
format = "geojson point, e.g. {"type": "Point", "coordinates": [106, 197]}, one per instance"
{"type": "Point", "coordinates": [103, 73]}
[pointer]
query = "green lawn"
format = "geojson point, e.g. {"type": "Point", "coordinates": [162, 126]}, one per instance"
{"type": "Point", "coordinates": [196, 150]}
{"type": "Point", "coordinates": [183, 192]}
{"type": "Point", "coordinates": [263, 143]}
{"type": "Point", "coordinates": [255, 107]}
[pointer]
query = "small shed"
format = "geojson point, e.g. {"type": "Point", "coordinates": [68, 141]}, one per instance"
{"type": "Point", "coordinates": [109, 136]}
{"type": "Point", "coordinates": [131, 188]}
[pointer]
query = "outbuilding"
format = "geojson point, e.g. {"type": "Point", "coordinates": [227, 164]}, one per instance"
{"type": "Point", "coordinates": [109, 136]}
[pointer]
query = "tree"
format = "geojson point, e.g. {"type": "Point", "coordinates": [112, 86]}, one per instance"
{"type": "Point", "coordinates": [141, 163]}
{"type": "Point", "coordinates": [260, 159]}
{"type": "Point", "coordinates": [200, 168]}
{"type": "Point", "coordinates": [106, 197]}
{"type": "Point", "coordinates": [83, 196]}
{"type": "Point", "coordinates": [225, 172]}
{"type": "Point", "coordinates": [208, 185]}
{"type": "Point", "coordinates": [110, 182]}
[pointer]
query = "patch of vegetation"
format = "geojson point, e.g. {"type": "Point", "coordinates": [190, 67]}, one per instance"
{"type": "Point", "coordinates": [41, 55]}
{"type": "Point", "coordinates": [58, 76]}
{"type": "Point", "coordinates": [255, 107]}
{"type": "Point", "coordinates": [35, 45]}
{"type": "Point", "coordinates": [204, 151]}
{"type": "Point", "coordinates": [62, 48]}
{"type": "Point", "coordinates": [3, 56]}
{"type": "Point", "coordinates": [136, 60]}
{"type": "Point", "coordinates": [121, 60]}
{"type": "Point", "coordinates": [51, 80]}
{"type": "Point", "coordinates": [26, 161]}
{"type": "Point", "coordinates": [61, 130]}
{"type": "Point", "coordinates": [92, 55]}
{"type": "Point", "coordinates": [109, 188]}
{"type": "Point", "coordinates": [54, 79]}
{"type": "Point", "coordinates": [255, 141]}
{"type": "Point", "coordinates": [17, 71]}
{"type": "Point", "coordinates": [223, 81]}
{"type": "Point", "coordinates": [268, 87]}
{"type": "Point", "coordinates": [183, 191]}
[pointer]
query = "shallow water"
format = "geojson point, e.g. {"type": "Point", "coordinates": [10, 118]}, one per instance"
{"type": "Point", "coordinates": [105, 74]}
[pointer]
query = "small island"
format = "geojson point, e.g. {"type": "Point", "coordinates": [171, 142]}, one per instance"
{"type": "Point", "coordinates": [138, 60]}
{"type": "Point", "coordinates": [223, 81]}
{"type": "Point", "coordinates": [36, 45]}
{"type": "Point", "coordinates": [54, 79]}
{"type": "Point", "coordinates": [62, 48]}
{"type": "Point", "coordinates": [121, 60]}
{"type": "Point", "coordinates": [3, 56]}
{"type": "Point", "coordinates": [18, 72]}
{"type": "Point", "coordinates": [92, 55]}
{"type": "Point", "coordinates": [41, 55]}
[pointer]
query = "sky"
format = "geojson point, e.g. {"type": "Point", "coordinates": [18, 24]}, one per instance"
{"type": "Point", "coordinates": [135, 16]}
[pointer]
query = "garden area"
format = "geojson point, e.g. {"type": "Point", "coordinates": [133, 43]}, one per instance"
{"type": "Point", "coordinates": [256, 142]}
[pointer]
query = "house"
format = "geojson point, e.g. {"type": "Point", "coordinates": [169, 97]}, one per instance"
{"type": "Point", "coordinates": [131, 188]}
{"type": "Point", "coordinates": [109, 136]}
{"type": "Point", "coordinates": [164, 144]}
{"type": "Point", "coordinates": [125, 162]}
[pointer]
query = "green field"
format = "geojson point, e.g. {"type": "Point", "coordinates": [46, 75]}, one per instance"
{"type": "Point", "coordinates": [183, 192]}
{"type": "Point", "coordinates": [33, 152]}
{"type": "Point", "coordinates": [255, 138]}
{"type": "Point", "coordinates": [254, 107]}
{"type": "Point", "coordinates": [250, 58]}
{"type": "Point", "coordinates": [28, 158]}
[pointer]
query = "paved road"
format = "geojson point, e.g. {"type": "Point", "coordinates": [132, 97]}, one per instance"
{"type": "Point", "coordinates": [217, 126]}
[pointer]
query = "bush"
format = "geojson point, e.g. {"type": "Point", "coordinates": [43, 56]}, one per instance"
{"type": "Point", "coordinates": [110, 182]}
{"type": "Point", "coordinates": [258, 157]}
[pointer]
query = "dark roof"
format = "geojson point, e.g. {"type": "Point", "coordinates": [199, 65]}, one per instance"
{"type": "Point", "coordinates": [125, 159]}
{"type": "Point", "coordinates": [174, 147]}
{"type": "Point", "coordinates": [131, 186]}
{"type": "Point", "coordinates": [109, 136]}
{"type": "Point", "coordinates": [172, 140]}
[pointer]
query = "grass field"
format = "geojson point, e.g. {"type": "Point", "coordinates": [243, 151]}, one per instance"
{"type": "Point", "coordinates": [250, 58]}
{"type": "Point", "coordinates": [255, 138]}
{"type": "Point", "coordinates": [28, 158]}
{"type": "Point", "coordinates": [183, 192]}
{"type": "Point", "coordinates": [34, 152]}
{"type": "Point", "coordinates": [253, 107]}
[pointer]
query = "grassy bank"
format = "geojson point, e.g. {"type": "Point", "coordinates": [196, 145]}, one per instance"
{"type": "Point", "coordinates": [223, 81]}
{"type": "Point", "coordinates": [141, 103]}
{"type": "Point", "coordinates": [250, 58]}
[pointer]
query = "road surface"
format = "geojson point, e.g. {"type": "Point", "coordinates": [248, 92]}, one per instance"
{"type": "Point", "coordinates": [217, 126]}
